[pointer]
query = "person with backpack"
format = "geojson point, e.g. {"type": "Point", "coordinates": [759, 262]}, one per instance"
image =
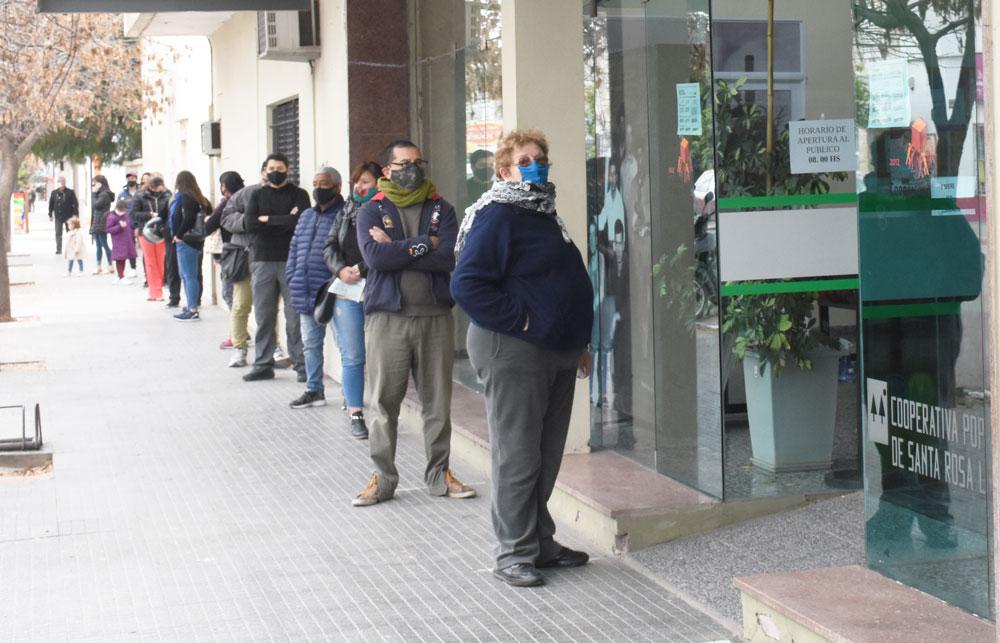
{"type": "Point", "coordinates": [187, 228]}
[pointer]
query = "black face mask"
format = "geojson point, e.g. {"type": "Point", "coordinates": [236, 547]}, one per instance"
{"type": "Point", "coordinates": [323, 196]}
{"type": "Point", "coordinates": [277, 178]}
{"type": "Point", "coordinates": [131, 184]}
{"type": "Point", "coordinates": [409, 178]}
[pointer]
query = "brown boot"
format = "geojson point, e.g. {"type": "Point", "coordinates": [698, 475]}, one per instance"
{"type": "Point", "coordinates": [455, 487]}
{"type": "Point", "coordinates": [369, 495]}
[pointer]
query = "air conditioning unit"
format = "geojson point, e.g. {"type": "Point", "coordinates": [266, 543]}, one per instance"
{"type": "Point", "coordinates": [288, 35]}
{"type": "Point", "coordinates": [211, 138]}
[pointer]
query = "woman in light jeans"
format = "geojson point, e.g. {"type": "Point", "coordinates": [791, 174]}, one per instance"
{"type": "Point", "coordinates": [189, 204]}
{"type": "Point", "coordinates": [343, 258]}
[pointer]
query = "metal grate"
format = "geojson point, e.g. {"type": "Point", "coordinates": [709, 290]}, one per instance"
{"type": "Point", "coordinates": [285, 134]}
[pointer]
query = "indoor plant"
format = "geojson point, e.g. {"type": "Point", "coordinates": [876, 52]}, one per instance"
{"type": "Point", "coordinates": [790, 373]}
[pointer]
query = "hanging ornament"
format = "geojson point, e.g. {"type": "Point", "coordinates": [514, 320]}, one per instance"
{"type": "Point", "coordinates": [684, 167]}
{"type": "Point", "coordinates": [920, 157]}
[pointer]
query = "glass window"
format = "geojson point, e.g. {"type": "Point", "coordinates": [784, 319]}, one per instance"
{"type": "Point", "coordinates": [922, 261]}
{"type": "Point", "coordinates": [460, 111]}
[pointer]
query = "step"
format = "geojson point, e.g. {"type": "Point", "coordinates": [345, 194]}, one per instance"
{"type": "Point", "coordinates": [618, 504]}
{"type": "Point", "coordinates": [850, 604]}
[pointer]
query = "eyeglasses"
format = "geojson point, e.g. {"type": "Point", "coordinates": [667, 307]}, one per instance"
{"type": "Point", "coordinates": [421, 163]}
{"type": "Point", "coordinates": [525, 161]}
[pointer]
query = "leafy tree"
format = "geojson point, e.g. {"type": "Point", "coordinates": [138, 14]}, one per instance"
{"type": "Point", "coordinates": [57, 70]}
{"type": "Point", "coordinates": [917, 27]}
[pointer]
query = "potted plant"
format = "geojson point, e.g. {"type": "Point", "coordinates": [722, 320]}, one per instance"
{"type": "Point", "coordinates": [790, 373]}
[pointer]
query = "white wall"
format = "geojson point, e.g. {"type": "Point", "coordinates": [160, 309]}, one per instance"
{"type": "Point", "coordinates": [171, 142]}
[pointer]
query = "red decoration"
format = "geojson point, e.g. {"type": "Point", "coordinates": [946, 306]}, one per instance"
{"type": "Point", "coordinates": [684, 167]}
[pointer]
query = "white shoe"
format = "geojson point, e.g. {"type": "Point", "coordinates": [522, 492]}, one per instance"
{"type": "Point", "coordinates": [281, 359]}
{"type": "Point", "coordinates": [97, 271]}
{"type": "Point", "coordinates": [110, 270]}
{"type": "Point", "coordinates": [239, 359]}
{"type": "Point", "coordinates": [79, 274]}
{"type": "Point", "coordinates": [130, 272]}
{"type": "Point", "coordinates": [68, 274]}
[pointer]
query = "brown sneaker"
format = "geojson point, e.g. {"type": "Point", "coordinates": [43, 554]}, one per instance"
{"type": "Point", "coordinates": [455, 487]}
{"type": "Point", "coordinates": [369, 495]}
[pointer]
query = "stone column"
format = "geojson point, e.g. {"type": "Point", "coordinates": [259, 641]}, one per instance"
{"type": "Point", "coordinates": [543, 87]}
{"type": "Point", "coordinates": [378, 76]}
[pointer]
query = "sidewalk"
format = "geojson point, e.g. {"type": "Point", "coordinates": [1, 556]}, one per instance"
{"type": "Point", "coordinates": [185, 504]}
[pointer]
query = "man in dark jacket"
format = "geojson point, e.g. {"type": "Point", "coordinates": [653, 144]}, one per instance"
{"type": "Point", "coordinates": [154, 201]}
{"type": "Point", "coordinates": [271, 216]}
{"type": "Point", "coordinates": [307, 272]}
{"type": "Point", "coordinates": [407, 236]}
{"type": "Point", "coordinates": [63, 206]}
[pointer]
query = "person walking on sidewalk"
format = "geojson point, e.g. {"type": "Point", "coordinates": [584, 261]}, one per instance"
{"type": "Point", "coordinates": [343, 257]}
{"type": "Point", "coordinates": [307, 273]}
{"type": "Point", "coordinates": [73, 248]}
{"type": "Point", "coordinates": [236, 258]}
{"type": "Point", "coordinates": [102, 200]}
{"type": "Point", "coordinates": [187, 227]}
{"type": "Point", "coordinates": [63, 206]}
{"type": "Point", "coordinates": [407, 237]}
{"type": "Point", "coordinates": [526, 289]}
{"type": "Point", "coordinates": [271, 215]}
{"type": "Point", "coordinates": [119, 225]}
{"type": "Point", "coordinates": [229, 184]}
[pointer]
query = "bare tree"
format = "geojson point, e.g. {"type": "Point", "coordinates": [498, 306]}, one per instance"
{"type": "Point", "coordinates": [56, 70]}
{"type": "Point", "coordinates": [919, 26]}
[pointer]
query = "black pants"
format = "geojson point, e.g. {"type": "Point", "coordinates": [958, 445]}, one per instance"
{"type": "Point", "coordinates": [171, 274]}
{"type": "Point", "coordinates": [60, 226]}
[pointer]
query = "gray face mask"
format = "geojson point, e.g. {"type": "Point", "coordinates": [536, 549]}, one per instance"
{"type": "Point", "coordinates": [409, 178]}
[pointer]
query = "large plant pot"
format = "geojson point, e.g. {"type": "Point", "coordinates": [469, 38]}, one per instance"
{"type": "Point", "coordinates": [792, 417]}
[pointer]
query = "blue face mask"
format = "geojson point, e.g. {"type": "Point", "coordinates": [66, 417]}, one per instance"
{"type": "Point", "coordinates": [535, 173]}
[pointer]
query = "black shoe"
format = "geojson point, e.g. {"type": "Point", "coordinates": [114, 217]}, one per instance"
{"type": "Point", "coordinates": [307, 399]}
{"type": "Point", "coordinates": [259, 374]}
{"type": "Point", "coordinates": [358, 428]}
{"type": "Point", "coordinates": [301, 377]}
{"type": "Point", "coordinates": [173, 304]}
{"type": "Point", "coordinates": [565, 558]}
{"type": "Point", "coordinates": [520, 575]}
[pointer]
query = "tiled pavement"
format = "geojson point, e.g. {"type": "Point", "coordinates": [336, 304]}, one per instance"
{"type": "Point", "coordinates": [187, 505]}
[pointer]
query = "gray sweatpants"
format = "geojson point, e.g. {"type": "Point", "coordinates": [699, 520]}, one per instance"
{"type": "Point", "coordinates": [267, 281]}
{"type": "Point", "coordinates": [529, 397]}
{"type": "Point", "coordinates": [395, 346]}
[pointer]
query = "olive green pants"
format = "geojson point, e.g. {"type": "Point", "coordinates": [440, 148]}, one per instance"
{"type": "Point", "coordinates": [397, 346]}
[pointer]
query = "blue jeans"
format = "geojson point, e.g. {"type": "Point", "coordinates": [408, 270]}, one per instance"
{"type": "Point", "coordinates": [101, 241]}
{"type": "Point", "coordinates": [349, 326]}
{"type": "Point", "coordinates": [188, 258]}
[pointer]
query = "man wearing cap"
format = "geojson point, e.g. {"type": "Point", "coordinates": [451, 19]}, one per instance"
{"type": "Point", "coordinates": [131, 187]}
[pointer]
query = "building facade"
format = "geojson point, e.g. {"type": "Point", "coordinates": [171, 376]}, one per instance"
{"type": "Point", "coordinates": [737, 172]}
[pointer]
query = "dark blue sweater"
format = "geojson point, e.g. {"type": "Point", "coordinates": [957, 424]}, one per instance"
{"type": "Point", "coordinates": [516, 267]}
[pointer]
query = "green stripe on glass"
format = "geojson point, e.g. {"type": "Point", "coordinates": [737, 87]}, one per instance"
{"type": "Point", "coordinates": [911, 310]}
{"type": "Point", "coordinates": [734, 288]}
{"type": "Point", "coordinates": [785, 200]}
{"type": "Point", "coordinates": [904, 204]}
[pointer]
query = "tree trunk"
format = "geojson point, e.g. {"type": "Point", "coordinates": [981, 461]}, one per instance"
{"type": "Point", "coordinates": [9, 162]}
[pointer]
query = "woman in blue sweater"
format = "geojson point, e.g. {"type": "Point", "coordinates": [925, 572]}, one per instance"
{"type": "Point", "coordinates": [526, 289]}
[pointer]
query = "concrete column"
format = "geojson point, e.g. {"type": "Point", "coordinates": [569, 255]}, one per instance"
{"type": "Point", "coordinates": [542, 57]}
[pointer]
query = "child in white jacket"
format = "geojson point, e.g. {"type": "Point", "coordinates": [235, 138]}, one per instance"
{"type": "Point", "coordinates": [73, 246]}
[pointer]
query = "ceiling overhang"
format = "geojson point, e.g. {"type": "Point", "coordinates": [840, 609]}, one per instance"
{"type": "Point", "coordinates": [168, 6]}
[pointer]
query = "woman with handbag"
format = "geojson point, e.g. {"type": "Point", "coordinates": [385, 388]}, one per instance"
{"type": "Point", "coordinates": [343, 257]}
{"type": "Point", "coordinates": [229, 184]}
{"type": "Point", "coordinates": [187, 225]}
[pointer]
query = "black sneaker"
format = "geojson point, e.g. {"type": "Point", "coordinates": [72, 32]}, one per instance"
{"type": "Point", "coordinates": [259, 374]}
{"type": "Point", "coordinates": [173, 304]}
{"type": "Point", "coordinates": [301, 377]}
{"type": "Point", "coordinates": [307, 399]}
{"type": "Point", "coordinates": [358, 428]}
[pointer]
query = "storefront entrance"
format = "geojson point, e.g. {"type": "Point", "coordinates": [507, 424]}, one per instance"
{"type": "Point", "coordinates": [786, 244]}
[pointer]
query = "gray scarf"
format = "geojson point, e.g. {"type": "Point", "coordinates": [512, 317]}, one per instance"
{"type": "Point", "coordinates": [530, 196]}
